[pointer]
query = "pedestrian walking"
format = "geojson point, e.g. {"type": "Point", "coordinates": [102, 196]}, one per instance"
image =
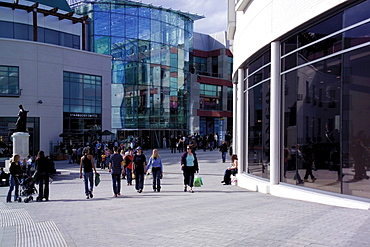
{"type": "Point", "coordinates": [189, 165]}
{"type": "Point", "coordinates": [309, 162]}
{"type": "Point", "coordinates": [164, 142]}
{"type": "Point", "coordinates": [155, 162]}
{"type": "Point", "coordinates": [87, 163]}
{"type": "Point", "coordinates": [15, 171]}
{"type": "Point", "coordinates": [223, 150]}
{"type": "Point", "coordinates": [139, 165]}
{"type": "Point", "coordinates": [115, 168]}
{"type": "Point", "coordinates": [129, 156]}
{"type": "Point", "coordinates": [43, 168]}
{"type": "Point", "coordinates": [107, 154]}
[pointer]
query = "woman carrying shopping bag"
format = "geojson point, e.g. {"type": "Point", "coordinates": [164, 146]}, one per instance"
{"type": "Point", "coordinates": [189, 166]}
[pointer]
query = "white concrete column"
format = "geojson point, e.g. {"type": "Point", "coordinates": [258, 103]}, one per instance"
{"type": "Point", "coordinates": [275, 114]}
{"type": "Point", "coordinates": [239, 119]}
{"type": "Point", "coordinates": [235, 109]}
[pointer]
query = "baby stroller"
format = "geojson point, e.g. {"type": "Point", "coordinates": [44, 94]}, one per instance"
{"type": "Point", "coordinates": [26, 189]}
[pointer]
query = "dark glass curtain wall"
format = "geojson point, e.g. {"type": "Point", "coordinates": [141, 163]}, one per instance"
{"type": "Point", "coordinates": [326, 104]}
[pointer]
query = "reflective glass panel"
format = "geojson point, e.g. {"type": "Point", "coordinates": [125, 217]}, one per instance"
{"type": "Point", "coordinates": [259, 130]}
{"type": "Point", "coordinates": [118, 25]}
{"type": "Point", "coordinates": [131, 23]}
{"type": "Point", "coordinates": [356, 116]}
{"type": "Point", "coordinates": [102, 44]}
{"type": "Point", "coordinates": [144, 29]}
{"type": "Point", "coordinates": [320, 30]}
{"type": "Point", "coordinates": [101, 23]}
{"type": "Point", "coordinates": [320, 49]}
{"type": "Point", "coordinates": [356, 14]}
{"type": "Point", "coordinates": [312, 123]}
{"type": "Point", "coordinates": [9, 80]}
{"type": "Point", "coordinates": [145, 12]}
{"type": "Point", "coordinates": [357, 36]}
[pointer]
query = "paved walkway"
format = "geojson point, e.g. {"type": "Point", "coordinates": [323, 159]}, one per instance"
{"type": "Point", "coordinates": [215, 215]}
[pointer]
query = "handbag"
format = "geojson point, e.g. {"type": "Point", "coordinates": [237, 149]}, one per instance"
{"type": "Point", "coordinates": [97, 179]}
{"type": "Point", "coordinates": [35, 176]}
{"type": "Point", "coordinates": [198, 181]}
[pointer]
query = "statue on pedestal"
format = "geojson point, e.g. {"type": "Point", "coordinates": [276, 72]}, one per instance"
{"type": "Point", "coordinates": [22, 120]}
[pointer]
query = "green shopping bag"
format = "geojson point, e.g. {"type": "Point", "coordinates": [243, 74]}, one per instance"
{"type": "Point", "coordinates": [198, 182]}
{"type": "Point", "coordinates": [97, 179]}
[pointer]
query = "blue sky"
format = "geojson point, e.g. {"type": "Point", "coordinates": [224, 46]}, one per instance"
{"type": "Point", "coordinates": [215, 12]}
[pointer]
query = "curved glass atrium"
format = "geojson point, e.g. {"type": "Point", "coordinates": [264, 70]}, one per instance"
{"type": "Point", "coordinates": [150, 48]}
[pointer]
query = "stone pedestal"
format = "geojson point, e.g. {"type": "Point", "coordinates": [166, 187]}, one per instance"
{"type": "Point", "coordinates": [20, 146]}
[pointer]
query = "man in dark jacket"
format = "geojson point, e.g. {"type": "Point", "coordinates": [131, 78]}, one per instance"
{"type": "Point", "coordinates": [223, 150]}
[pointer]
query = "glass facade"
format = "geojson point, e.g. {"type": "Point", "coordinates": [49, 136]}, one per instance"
{"type": "Point", "coordinates": [200, 65]}
{"type": "Point", "coordinates": [150, 50]}
{"type": "Point", "coordinates": [82, 102]}
{"type": "Point", "coordinates": [22, 31]}
{"type": "Point", "coordinates": [210, 97]}
{"type": "Point", "coordinates": [257, 82]}
{"type": "Point", "coordinates": [325, 105]}
{"type": "Point", "coordinates": [326, 93]}
{"type": "Point", "coordinates": [9, 81]}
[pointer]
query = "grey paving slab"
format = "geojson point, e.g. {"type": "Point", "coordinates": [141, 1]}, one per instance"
{"type": "Point", "coordinates": [215, 215]}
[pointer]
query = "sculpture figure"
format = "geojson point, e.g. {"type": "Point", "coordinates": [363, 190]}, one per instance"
{"type": "Point", "coordinates": [22, 120]}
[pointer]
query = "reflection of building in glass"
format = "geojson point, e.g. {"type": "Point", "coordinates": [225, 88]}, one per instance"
{"type": "Point", "coordinates": [44, 68]}
{"type": "Point", "coordinates": [151, 50]}
{"type": "Point", "coordinates": [309, 87]}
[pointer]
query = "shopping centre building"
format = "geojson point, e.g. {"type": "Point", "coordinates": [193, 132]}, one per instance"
{"type": "Point", "coordinates": [302, 98]}
{"type": "Point", "coordinates": [129, 68]}
{"type": "Point", "coordinates": [166, 80]}
{"type": "Point", "coordinates": [45, 67]}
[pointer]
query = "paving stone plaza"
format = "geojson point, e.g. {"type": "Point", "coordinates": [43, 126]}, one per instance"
{"type": "Point", "coordinates": [215, 215]}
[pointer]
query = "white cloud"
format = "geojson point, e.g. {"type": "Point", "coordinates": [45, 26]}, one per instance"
{"type": "Point", "coordinates": [214, 11]}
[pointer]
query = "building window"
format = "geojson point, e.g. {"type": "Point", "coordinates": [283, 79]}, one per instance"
{"type": "Point", "coordinates": [215, 66]}
{"type": "Point", "coordinates": [25, 32]}
{"type": "Point", "coordinates": [229, 68]}
{"type": "Point", "coordinates": [9, 81]}
{"type": "Point", "coordinates": [230, 99]}
{"type": "Point", "coordinates": [200, 65]}
{"type": "Point", "coordinates": [210, 97]}
{"type": "Point", "coordinates": [326, 65]}
{"type": "Point", "coordinates": [82, 102]}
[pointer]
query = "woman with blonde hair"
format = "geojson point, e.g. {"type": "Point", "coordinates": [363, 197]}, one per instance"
{"type": "Point", "coordinates": [15, 173]}
{"type": "Point", "coordinates": [155, 162]}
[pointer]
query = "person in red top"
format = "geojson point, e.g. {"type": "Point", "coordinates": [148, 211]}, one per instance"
{"type": "Point", "coordinates": [128, 165]}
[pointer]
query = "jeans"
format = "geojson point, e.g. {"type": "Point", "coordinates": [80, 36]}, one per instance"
{"type": "Point", "coordinates": [188, 173]}
{"type": "Point", "coordinates": [223, 156]}
{"type": "Point", "coordinates": [88, 178]}
{"type": "Point", "coordinates": [129, 175]}
{"type": "Point", "coordinates": [156, 171]}
{"type": "Point", "coordinates": [13, 183]}
{"type": "Point", "coordinates": [116, 181]}
{"type": "Point", "coordinates": [139, 180]}
{"type": "Point", "coordinates": [44, 186]}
